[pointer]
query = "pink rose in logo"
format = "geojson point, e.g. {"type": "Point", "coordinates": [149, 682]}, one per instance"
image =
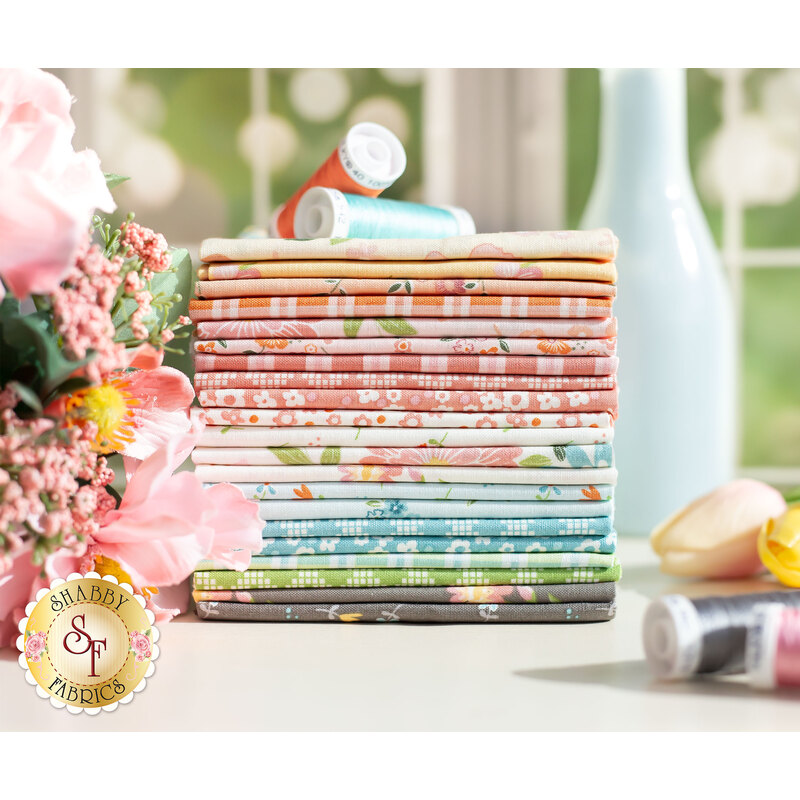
{"type": "Point", "coordinates": [35, 646]}
{"type": "Point", "coordinates": [140, 645]}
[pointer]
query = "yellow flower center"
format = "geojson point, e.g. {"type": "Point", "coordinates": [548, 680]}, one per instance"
{"type": "Point", "coordinates": [109, 407]}
{"type": "Point", "coordinates": [436, 461]}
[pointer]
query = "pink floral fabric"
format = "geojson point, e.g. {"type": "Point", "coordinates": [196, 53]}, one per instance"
{"type": "Point", "coordinates": [598, 245]}
{"type": "Point", "coordinates": [473, 346]}
{"type": "Point", "coordinates": [227, 418]}
{"type": "Point", "coordinates": [414, 400]}
{"type": "Point", "coordinates": [430, 328]}
{"type": "Point", "coordinates": [287, 287]}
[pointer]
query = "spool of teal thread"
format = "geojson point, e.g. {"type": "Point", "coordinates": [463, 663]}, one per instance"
{"type": "Point", "coordinates": [324, 213]}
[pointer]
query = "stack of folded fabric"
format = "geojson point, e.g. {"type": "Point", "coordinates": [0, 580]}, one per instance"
{"type": "Point", "coordinates": [426, 425]}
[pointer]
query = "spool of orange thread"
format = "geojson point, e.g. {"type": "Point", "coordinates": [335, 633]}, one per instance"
{"type": "Point", "coordinates": [369, 159]}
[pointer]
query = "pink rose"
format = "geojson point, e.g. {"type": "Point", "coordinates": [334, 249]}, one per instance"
{"type": "Point", "coordinates": [140, 645]}
{"type": "Point", "coordinates": [34, 647]}
{"type": "Point", "coordinates": [47, 191]}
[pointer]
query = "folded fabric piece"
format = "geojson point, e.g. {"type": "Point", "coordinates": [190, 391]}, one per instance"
{"type": "Point", "coordinates": [458, 346]}
{"type": "Point", "coordinates": [401, 380]}
{"type": "Point", "coordinates": [493, 364]}
{"type": "Point", "coordinates": [554, 593]}
{"type": "Point", "coordinates": [285, 287]}
{"type": "Point", "coordinates": [374, 508]}
{"type": "Point", "coordinates": [559, 456]}
{"type": "Point", "coordinates": [413, 399]}
{"type": "Point", "coordinates": [407, 612]}
{"type": "Point", "coordinates": [312, 545]}
{"type": "Point", "coordinates": [316, 578]}
{"type": "Point", "coordinates": [397, 327]}
{"type": "Point", "coordinates": [453, 528]}
{"type": "Point", "coordinates": [597, 245]}
{"type": "Point", "coordinates": [395, 306]}
{"type": "Point", "coordinates": [404, 419]}
{"type": "Point", "coordinates": [422, 492]}
{"type": "Point", "coordinates": [216, 473]}
{"type": "Point", "coordinates": [339, 436]}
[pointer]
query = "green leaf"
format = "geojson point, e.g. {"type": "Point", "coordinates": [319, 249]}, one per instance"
{"type": "Point", "coordinates": [331, 455]}
{"type": "Point", "coordinates": [26, 395]}
{"type": "Point", "coordinates": [793, 495]}
{"type": "Point", "coordinates": [504, 346]}
{"type": "Point", "coordinates": [535, 461]}
{"type": "Point", "coordinates": [470, 502]}
{"type": "Point", "coordinates": [408, 286]}
{"type": "Point", "coordinates": [352, 326]}
{"type": "Point", "coordinates": [394, 287]}
{"type": "Point", "coordinates": [35, 330]}
{"type": "Point", "coordinates": [396, 326]}
{"type": "Point", "coordinates": [293, 456]}
{"type": "Point", "coordinates": [340, 240]}
{"type": "Point", "coordinates": [560, 452]}
{"type": "Point", "coordinates": [112, 179]}
{"type": "Point", "coordinates": [552, 598]}
{"type": "Point", "coordinates": [470, 285]}
{"type": "Point", "coordinates": [374, 503]}
{"type": "Point", "coordinates": [223, 343]}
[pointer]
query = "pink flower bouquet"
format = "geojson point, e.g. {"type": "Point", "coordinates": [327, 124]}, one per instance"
{"type": "Point", "coordinates": [82, 381]}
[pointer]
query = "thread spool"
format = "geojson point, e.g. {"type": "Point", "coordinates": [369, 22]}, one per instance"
{"type": "Point", "coordinates": [369, 159]}
{"type": "Point", "coordinates": [325, 213]}
{"type": "Point", "coordinates": [684, 637]}
{"type": "Point", "coordinates": [772, 653]}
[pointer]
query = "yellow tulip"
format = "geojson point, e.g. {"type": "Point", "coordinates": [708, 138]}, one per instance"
{"type": "Point", "coordinates": [715, 536]}
{"type": "Point", "coordinates": [779, 547]}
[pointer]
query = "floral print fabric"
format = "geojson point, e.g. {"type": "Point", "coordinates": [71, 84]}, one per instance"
{"type": "Point", "coordinates": [399, 612]}
{"type": "Point", "coordinates": [321, 436]}
{"type": "Point", "coordinates": [404, 328]}
{"type": "Point", "coordinates": [388, 418]}
{"type": "Point", "coordinates": [380, 493]}
{"type": "Point", "coordinates": [375, 508]}
{"type": "Point", "coordinates": [598, 245]}
{"type": "Point", "coordinates": [215, 473]}
{"type": "Point", "coordinates": [474, 346]}
{"type": "Point", "coordinates": [554, 593]}
{"type": "Point", "coordinates": [287, 287]}
{"type": "Point", "coordinates": [413, 400]}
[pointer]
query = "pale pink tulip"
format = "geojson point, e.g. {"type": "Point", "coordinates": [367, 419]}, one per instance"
{"type": "Point", "coordinates": [48, 192]}
{"type": "Point", "coordinates": [167, 523]}
{"type": "Point", "coordinates": [716, 535]}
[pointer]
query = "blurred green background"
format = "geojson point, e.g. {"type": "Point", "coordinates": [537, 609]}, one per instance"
{"type": "Point", "coordinates": [192, 140]}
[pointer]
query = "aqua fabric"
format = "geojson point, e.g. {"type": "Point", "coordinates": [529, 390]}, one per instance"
{"type": "Point", "coordinates": [311, 545]}
{"type": "Point", "coordinates": [323, 528]}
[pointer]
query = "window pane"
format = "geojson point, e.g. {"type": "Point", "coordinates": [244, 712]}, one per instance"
{"type": "Point", "coordinates": [771, 367]}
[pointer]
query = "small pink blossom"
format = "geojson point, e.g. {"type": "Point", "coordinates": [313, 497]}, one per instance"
{"type": "Point", "coordinates": [35, 646]}
{"type": "Point", "coordinates": [140, 644]}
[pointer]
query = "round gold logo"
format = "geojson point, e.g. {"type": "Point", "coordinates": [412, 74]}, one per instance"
{"type": "Point", "coordinates": [88, 643]}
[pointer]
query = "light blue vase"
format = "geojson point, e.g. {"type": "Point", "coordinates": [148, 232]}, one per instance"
{"type": "Point", "coordinates": [675, 437]}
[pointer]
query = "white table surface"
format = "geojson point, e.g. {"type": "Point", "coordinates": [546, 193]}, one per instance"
{"type": "Point", "coordinates": [251, 676]}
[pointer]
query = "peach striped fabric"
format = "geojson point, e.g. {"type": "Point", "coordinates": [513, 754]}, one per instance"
{"type": "Point", "coordinates": [391, 306]}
